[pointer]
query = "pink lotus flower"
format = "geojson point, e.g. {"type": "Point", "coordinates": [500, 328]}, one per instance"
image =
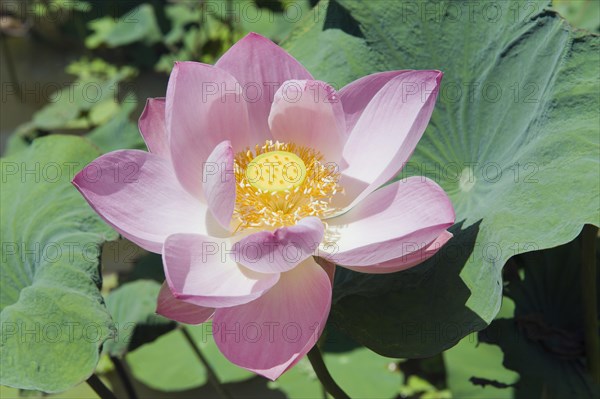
{"type": "Point", "coordinates": [238, 231]}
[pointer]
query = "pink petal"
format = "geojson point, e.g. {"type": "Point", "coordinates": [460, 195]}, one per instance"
{"type": "Point", "coordinates": [138, 194]}
{"type": "Point", "coordinates": [391, 222]}
{"type": "Point", "coordinates": [153, 129]}
{"type": "Point", "coordinates": [269, 335]}
{"type": "Point", "coordinates": [199, 271]}
{"type": "Point", "coordinates": [261, 67]}
{"type": "Point", "coordinates": [219, 183]}
{"type": "Point", "coordinates": [407, 261]}
{"type": "Point", "coordinates": [309, 113]}
{"type": "Point", "coordinates": [356, 96]}
{"type": "Point", "coordinates": [280, 250]}
{"type": "Point", "coordinates": [387, 133]}
{"type": "Point", "coordinates": [183, 312]}
{"type": "Point", "coordinates": [204, 107]}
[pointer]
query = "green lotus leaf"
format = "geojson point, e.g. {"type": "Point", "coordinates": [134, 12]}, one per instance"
{"type": "Point", "coordinates": [514, 140]}
{"type": "Point", "coordinates": [52, 315]}
{"type": "Point", "coordinates": [185, 370]}
{"type": "Point", "coordinates": [544, 340]}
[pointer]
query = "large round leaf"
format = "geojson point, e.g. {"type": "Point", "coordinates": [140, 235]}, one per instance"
{"type": "Point", "coordinates": [475, 370]}
{"type": "Point", "coordinates": [514, 140]}
{"type": "Point", "coordinates": [52, 314]}
{"type": "Point", "coordinates": [544, 341]}
{"type": "Point", "coordinates": [184, 371]}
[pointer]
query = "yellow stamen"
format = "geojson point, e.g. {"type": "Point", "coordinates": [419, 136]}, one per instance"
{"type": "Point", "coordinates": [281, 183]}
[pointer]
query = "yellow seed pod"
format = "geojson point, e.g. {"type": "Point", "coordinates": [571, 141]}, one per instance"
{"type": "Point", "coordinates": [276, 171]}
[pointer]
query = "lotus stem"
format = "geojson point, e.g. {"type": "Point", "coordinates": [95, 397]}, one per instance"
{"type": "Point", "coordinates": [316, 360]}
{"type": "Point", "coordinates": [98, 386]}
{"type": "Point", "coordinates": [120, 368]}
{"type": "Point", "coordinates": [212, 376]}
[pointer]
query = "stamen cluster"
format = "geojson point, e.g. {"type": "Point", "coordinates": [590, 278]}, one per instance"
{"type": "Point", "coordinates": [258, 207]}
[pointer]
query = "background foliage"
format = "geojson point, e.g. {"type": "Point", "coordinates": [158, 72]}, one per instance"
{"type": "Point", "coordinates": [514, 140]}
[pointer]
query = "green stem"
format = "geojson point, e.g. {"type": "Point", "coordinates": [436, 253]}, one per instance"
{"type": "Point", "coordinates": [212, 376]}
{"type": "Point", "coordinates": [98, 386]}
{"type": "Point", "coordinates": [589, 295]}
{"type": "Point", "coordinates": [316, 360]}
{"type": "Point", "coordinates": [120, 368]}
